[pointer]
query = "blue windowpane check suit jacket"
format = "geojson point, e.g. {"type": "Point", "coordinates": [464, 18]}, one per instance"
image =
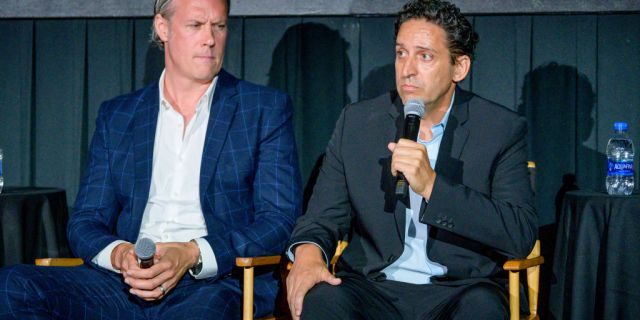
{"type": "Point", "coordinates": [249, 182]}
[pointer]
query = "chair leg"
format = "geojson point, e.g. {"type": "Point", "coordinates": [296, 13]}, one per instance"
{"type": "Point", "coordinates": [533, 284]}
{"type": "Point", "coordinates": [514, 295]}
{"type": "Point", "coordinates": [247, 294]}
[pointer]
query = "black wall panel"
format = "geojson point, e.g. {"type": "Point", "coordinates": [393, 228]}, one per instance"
{"type": "Point", "coordinates": [571, 76]}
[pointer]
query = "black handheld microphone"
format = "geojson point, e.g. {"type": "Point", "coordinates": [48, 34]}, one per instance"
{"type": "Point", "coordinates": [145, 249]}
{"type": "Point", "coordinates": [413, 112]}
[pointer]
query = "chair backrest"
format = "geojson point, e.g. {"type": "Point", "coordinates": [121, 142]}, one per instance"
{"type": "Point", "coordinates": [531, 165]}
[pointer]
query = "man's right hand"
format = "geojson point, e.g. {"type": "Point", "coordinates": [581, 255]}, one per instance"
{"type": "Point", "coordinates": [123, 257]}
{"type": "Point", "coordinates": [308, 270]}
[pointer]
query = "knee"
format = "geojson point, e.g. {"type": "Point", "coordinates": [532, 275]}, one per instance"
{"type": "Point", "coordinates": [325, 301]}
{"type": "Point", "coordinates": [15, 278]}
{"type": "Point", "coordinates": [485, 300]}
{"type": "Point", "coordinates": [17, 291]}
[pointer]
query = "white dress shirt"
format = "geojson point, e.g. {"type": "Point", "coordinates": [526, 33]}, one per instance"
{"type": "Point", "coordinates": [173, 212]}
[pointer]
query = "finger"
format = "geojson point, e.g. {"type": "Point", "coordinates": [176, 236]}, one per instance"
{"type": "Point", "coordinates": [297, 304]}
{"type": "Point", "coordinates": [292, 285]}
{"type": "Point", "coordinates": [299, 290]}
{"type": "Point", "coordinates": [148, 295]}
{"type": "Point", "coordinates": [418, 150]}
{"type": "Point", "coordinates": [403, 163]}
{"type": "Point", "coordinates": [406, 143]}
{"type": "Point", "coordinates": [391, 146]}
{"type": "Point", "coordinates": [145, 274]}
{"type": "Point", "coordinates": [128, 263]}
{"type": "Point", "coordinates": [166, 278]}
{"type": "Point", "coordinates": [331, 279]}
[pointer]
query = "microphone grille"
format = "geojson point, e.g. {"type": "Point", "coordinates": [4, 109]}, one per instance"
{"type": "Point", "coordinates": [145, 248]}
{"type": "Point", "coordinates": [415, 107]}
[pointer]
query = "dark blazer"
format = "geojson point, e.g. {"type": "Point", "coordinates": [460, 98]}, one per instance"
{"type": "Point", "coordinates": [249, 181]}
{"type": "Point", "coordinates": [481, 209]}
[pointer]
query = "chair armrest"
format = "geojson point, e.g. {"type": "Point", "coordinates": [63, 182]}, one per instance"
{"type": "Point", "coordinates": [257, 261]}
{"type": "Point", "coordinates": [59, 262]}
{"type": "Point", "coordinates": [522, 264]}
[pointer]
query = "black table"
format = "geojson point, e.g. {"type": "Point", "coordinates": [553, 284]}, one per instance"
{"type": "Point", "coordinates": [33, 224]}
{"type": "Point", "coordinates": [596, 273]}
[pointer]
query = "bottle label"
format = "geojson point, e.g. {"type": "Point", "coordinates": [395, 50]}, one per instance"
{"type": "Point", "coordinates": [621, 168]}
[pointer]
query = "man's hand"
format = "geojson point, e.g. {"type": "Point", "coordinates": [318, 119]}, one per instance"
{"type": "Point", "coordinates": [171, 261]}
{"type": "Point", "coordinates": [411, 158]}
{"type": "Point", "coordinates": [123, 257]}
{"type": "Point", "coordinates": [308, 269]}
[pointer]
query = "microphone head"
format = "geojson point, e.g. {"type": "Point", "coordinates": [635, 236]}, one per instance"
{"type": "Point", "coordinates": [415, 107]}
{"type": "Point", "coordinates": [145, 248]}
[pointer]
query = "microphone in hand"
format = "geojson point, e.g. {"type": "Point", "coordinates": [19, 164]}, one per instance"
{"type": "Point", "coordinates": [413, 112]}
{"type": "Point", "coordinates": [145, 249]}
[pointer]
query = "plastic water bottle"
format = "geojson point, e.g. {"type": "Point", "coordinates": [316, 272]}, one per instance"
{"type": "Point", "coordinates": [1, 176]}
{"type": "Point", "coordinates": [620, 161]}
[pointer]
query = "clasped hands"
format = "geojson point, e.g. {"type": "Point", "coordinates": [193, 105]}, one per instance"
{"type": "Point", "coordinates": [310, 268]}
{"type": "Point", "coordinates": [171, 261]}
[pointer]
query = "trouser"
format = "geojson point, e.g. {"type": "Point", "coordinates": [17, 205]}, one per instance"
{"type": "Point", "coordinates": [360, 298]}
{"type": "Point", "coordinates": [87, 292]}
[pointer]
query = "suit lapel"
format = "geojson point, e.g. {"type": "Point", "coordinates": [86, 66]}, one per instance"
{"type": "Point", "coordinates": [455, 134]}
{"type": "Point", "coordinates": [144, 133]}
{"type": "Point", "coordinates": [396, 114]}
{"type": "Point", "coordinates": [223, 108]}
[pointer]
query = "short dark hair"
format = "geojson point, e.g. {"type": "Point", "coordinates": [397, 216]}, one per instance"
{"type": "Point", "coordinates": [163, 7]}
{"type": "Point", "coordinates": [460, 35]}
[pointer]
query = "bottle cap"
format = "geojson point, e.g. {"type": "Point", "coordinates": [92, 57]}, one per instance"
{"type": "Point", "coordinates": [620, 126]}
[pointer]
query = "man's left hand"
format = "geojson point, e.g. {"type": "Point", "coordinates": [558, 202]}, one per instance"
{"type": "Point", "coordinates": [171, 262]}
{"type": "Point", "coordinates": [411, 158]}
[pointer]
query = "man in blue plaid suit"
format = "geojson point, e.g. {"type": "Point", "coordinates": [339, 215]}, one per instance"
{"type": "Point", "coordinates": [202, 163]}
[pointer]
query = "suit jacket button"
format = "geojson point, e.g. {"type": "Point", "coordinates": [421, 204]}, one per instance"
{"type": "Point", "coordinates": [450, 225]}
{"type": "Point", "coordinates": [438, 220]}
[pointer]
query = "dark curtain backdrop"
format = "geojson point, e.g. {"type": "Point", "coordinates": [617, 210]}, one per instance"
{"type": "Point", "coordinates": [572, 76]}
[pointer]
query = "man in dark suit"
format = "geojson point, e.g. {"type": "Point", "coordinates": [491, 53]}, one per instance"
{"type": "Point", "coordinates": [436, 253]}
{"type": "Point", "coordinates": [200, 162]}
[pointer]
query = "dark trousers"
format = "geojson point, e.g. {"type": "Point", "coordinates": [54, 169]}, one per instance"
{"type": "Point", "coordinates": [360, 298]}
{"type": "Point", "coordinates": [85, 292]}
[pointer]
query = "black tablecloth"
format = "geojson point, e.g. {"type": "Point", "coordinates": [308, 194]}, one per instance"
{"type": "Point", "coordinates": [597, 265]}
{"type": "Point", "coordinates": [33, 224]}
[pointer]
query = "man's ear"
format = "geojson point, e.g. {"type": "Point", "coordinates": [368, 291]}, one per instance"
{"type": "Point", "coordinates": [161, 25]}
{"type": "Point", "coordinates": [461, 68]}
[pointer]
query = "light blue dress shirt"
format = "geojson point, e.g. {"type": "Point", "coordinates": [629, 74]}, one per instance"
{"type": "Point", "coordinates": [414, 265]}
